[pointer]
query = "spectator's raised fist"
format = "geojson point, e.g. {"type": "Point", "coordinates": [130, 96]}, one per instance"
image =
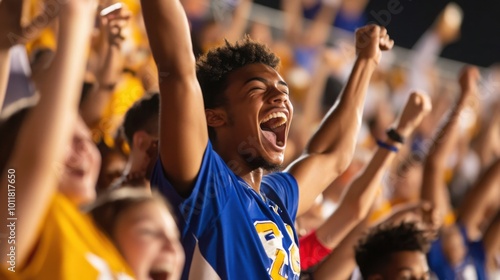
{"type": "Point", "coordinates": [113, 20]}
{"type": "Point", "coordinates": [371, 40]}
{"type": "Point", "coordinates": [417, 107]}
{"type": "Point", "coordinates": [468, 79]}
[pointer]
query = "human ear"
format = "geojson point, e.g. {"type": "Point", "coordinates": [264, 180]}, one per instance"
{"type": "Point", "coordinates": [141, 140]}
{"type": "Point", "coordinates": [215, 117]}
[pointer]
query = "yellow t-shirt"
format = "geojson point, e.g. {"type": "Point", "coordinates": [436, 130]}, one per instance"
{"type": "Point", "coordinates": [71, 247]}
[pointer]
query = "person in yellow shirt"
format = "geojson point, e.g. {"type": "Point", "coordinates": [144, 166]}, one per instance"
{"type": "Point", "coordinates": [143, 229]}
{"type": "Point", "coordinates": [52, 165]}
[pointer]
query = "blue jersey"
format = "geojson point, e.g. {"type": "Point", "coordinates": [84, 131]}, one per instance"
{"type": "Point", "coordinates": [228, 230]}
{"type": "Point", "coordinates": [472, 267]}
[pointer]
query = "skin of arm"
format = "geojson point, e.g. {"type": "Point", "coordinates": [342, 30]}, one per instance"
{"type": "Point", "coordinates": [4, 72]}
{"type": "Point", "coordinates": [434, 188]}
{"type": "Point", "coordinates": [483, 196]}
{"type": "Point", "coordinates": [93, 106]}
{"type": "Point", "coordinates": [317, 32]}
{"type": "Point", "coordinates": [239, 22]}
{"type": "Point", "coordinates": [491, 242]}
{"type": "Point", "coordinates": [293, 20]}
{"type": "Point", "coordinates": [341, 262]}
{"type": "Point", "coordinates": [181, 101]}
{"type": "Point", "coordinates": [48, 127]}
{"type": "Point", "coordinates": [311, 111]}
{"type": "Point", "coordinates": [331, 148]}
{"type": "Point", "coordinates": [356, 203]}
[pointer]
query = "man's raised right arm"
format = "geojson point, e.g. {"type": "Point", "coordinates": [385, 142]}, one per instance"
{"type": "Point", "coordinates": [183, 128]}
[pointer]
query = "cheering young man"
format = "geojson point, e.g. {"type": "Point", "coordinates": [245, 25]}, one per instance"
{"type": "Point", "coordinates": [224, 121]}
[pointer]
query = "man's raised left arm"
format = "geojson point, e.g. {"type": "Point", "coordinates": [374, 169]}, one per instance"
{"type": "Point", "coordinates": [330, 150]}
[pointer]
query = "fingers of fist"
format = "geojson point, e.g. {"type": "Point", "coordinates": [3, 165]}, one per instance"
{"type": "Point", "coordinates": [372, 38]}
{"type": "Point", "coordinates": [469, 76]}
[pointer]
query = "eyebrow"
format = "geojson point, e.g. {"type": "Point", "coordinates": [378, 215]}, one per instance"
{"type": "Point", "coordinates": [264, 81]}
{"type": "Point", "coordinates": [405, 268]}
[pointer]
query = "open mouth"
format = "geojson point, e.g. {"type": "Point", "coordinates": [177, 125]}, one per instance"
{"type": "Point", "coordinates": [273, 128]}
{"type": "Point", "coordinates": [158, 275]}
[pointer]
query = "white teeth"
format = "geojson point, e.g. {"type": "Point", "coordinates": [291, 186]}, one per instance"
{"type": "Point", "coordinates": [280, 143]}
{"type": "Point", "coordinates": [276, 115]}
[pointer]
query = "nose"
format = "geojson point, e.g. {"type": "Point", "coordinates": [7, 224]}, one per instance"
{"type": "Point", "coordinates": [278, 97]}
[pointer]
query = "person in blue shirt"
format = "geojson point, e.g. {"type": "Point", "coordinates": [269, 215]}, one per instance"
{"type": "Point", "coordinates": [224, 123]}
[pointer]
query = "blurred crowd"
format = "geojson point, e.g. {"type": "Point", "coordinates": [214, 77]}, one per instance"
{"type": "Point", "coordinates": [81, 126]}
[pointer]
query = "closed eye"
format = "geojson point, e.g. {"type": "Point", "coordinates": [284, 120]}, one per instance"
{"type": "Point", "coordinates": [257, 88]}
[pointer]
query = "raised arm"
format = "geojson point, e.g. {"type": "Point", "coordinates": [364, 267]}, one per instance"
{"type": "Point", "coordinates": [183, 128]}
{"type": "Point", "coordinates": [358, 199]}
{"type": "Point", "coordinates": [480, 200]}
{"type": "Point", "coordinates": [331, 148]}
{"type": "Point", "coordinates": [236, 29]}
{"type": "Point", "coordinates": [93, 105]}
{"type": "Point", "coordinates": [491, 242]}
{"type": "Point", "coordinates": [341, 262]}
{"type": "Point", "coordinates": [47, 127]}
{"type": "Point", "coordinates": [434, 188]}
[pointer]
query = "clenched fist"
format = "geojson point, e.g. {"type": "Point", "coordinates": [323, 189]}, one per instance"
{"type": "Point", "coordinates": [371, 40]}
{"type": "Point", "coordinates": [468, 79]}
{"type": "Point", "coordinates": [416, 108]}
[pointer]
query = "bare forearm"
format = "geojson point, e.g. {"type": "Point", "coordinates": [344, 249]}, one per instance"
{"type": "Point", "coordinates": [339, 129]}
{"type": "Point", "coordinates": [293, 20]}
{"type": "Point", "coordinates": [311, 107]}
{"type": "Point", "coordinates": [341, 262]}
{"type": "Point", "coordinates": [47, 127]}
{"type": "Point", "coordinates": [434, 187]}
{"type": "Point", "coordinates": [483, 196]}
{"type": "Point", "coordinates": [446, 137]}
{"type": "Point", "coordinates": [491, 239]}
{"type": "Point", "coordinates": [364, 188]}
{"type": "Point", "coordinates": [4, 73]}
{"type": "Point", "coordinates": [357, 201]}
{"type": "Point", "coordinates": [319, 31]}
{"type": "Point", "coordinates": [95, 103]}
{"type": "Point", "coordinates": [239, 22]}
{"type": "Point", "coordinates": [166, 23]}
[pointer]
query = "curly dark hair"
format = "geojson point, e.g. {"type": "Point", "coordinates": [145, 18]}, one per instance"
{"type": "Point", "coordinates": [212, 69]}
{"type": "Point", "coordinates": [373, 251]}
{"type": "Point", "coordinates": [143, 115]}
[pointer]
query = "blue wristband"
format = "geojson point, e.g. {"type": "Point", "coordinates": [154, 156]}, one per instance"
{"type": "Point", "coordinates": [384, 145]}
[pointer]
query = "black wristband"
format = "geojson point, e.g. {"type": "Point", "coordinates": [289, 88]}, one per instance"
{"type": "Point", "coordinates": [395, 136]}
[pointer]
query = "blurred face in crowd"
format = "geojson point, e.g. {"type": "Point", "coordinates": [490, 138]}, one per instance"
{"type": "Point", "coordinates": [113, 164]}
{"type": "Point", "coordinates": [404, 265]}
{"type": "Point", "coordinates": [147, 236]}
{"type": "Point", "coordinates": [81, 167]}
{"type": "Point", "coordinates": [258, 116]}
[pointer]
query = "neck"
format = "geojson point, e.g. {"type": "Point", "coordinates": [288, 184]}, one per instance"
{"type": "Point", "coordinates": [240, 167]}
{"type": "Point", "coordinates": [253, 178]}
